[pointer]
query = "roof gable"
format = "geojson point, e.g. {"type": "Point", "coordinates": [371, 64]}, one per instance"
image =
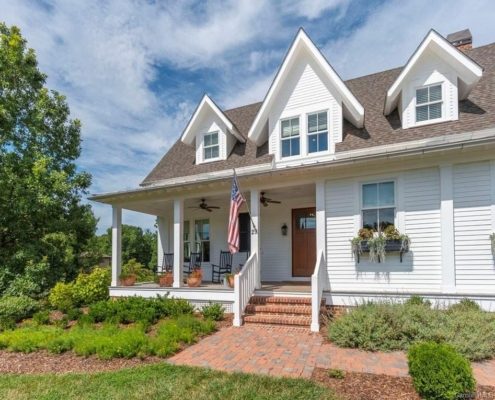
{"type": "Point", "coordinates": [353, 110]}
{"type": "Point", "coordinates": [468, 71]}
{"type": "Point", "coordinates": [207, 105]}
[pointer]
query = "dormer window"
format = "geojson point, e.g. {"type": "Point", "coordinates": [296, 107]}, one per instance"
{"type": "Point", "coordinates": [317, 132]}
{"type": "Point", "coordinates": [429, 103]}
{"type": "Point", "coordinates": [289, 132]}
{"type": "Point", "coordinates": [210, 146]}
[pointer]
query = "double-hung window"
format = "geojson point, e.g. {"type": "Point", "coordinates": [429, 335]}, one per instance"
{"type": "Point", "coordinates": [378, 205]}
{"type": "Point", "coordinates": [187, 241]}
{"type": "Point", "coordinates": [317, 132]}
{"type": "Point", "coordinates": [202, 234]}
{"type": "Point", "coordinates": [289, 132]}
{"type": "Point", "coordinates": [210, 145]}
{"type": "Point", "coordinates": [429, 103]}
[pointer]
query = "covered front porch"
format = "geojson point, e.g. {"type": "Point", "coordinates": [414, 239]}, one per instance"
{"type": "Point", "coordinates": [281, 247]}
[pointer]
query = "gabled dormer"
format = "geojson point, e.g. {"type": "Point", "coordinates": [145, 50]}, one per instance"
{"type": "Point", "coordinates": [213, 134]}
{"type": "Point", "coordinates": [428, 90]}
{"type": "Point", "coordinates": [303, 111]}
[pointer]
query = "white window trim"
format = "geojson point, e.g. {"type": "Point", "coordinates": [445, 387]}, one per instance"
{"type": "Point", "coordinates": [308, 134]}
{"type": "Point", "coordinates": [377, 181]}
{"type": "Point", "coordinates": [430, 121]}
{"type": "Point", "coordinates": [300, 136]}
{"type": "Point", "coordinates": [203, 147]}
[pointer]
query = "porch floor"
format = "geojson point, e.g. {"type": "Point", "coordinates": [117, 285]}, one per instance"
{"type": "Point", "coordinates": [284, 286]}
{"type": "Point", "coordinates": [287, 286]}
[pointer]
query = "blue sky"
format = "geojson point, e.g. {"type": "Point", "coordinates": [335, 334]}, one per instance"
{"type": "Point", "coordinates": [133, 71]}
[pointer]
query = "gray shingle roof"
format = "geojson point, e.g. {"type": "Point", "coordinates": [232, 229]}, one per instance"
{"type": "Point", "coordinates": [475, 113]}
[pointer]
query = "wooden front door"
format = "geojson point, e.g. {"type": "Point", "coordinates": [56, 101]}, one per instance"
{"type": "Point", "coordinates": [303, 241]}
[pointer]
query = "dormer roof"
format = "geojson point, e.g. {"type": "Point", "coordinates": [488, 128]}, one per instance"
{"type": "Point", "coordinates": [207, 105]}
{"type": "Point", "coordinates": [468, 71]}
{"type": "Point", "coordinates": [353, 110]}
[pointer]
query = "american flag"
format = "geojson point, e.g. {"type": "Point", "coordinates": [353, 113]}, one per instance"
{"type": "Point", "coordinates": [236, 200]}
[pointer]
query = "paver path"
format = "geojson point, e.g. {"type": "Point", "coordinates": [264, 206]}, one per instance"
{"type": "Point", "coordinates": [294, 352]}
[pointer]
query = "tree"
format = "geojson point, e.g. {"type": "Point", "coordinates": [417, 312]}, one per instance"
{"type": "Point", "coordinates": [43, 225]}
{"type": "Point", "coordinates": [136, 243]}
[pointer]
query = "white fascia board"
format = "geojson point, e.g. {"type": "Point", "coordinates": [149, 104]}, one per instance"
{"type": "Point", "coordinates": [355, 108]}
{"type": "Point", "coordinates": [188, 135]}
{"type": "Point", "coordinates": [470, 71]}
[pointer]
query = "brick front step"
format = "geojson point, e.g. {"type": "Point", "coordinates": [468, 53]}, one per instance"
{"type": "Point", "coordinates": [278, 319]}
{"type": "Point", "coordinates": [275, 308]}
{"type": "Point", "coordinates": [280, 300]}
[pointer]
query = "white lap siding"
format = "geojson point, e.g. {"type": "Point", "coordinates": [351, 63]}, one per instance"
{"type": "Point", "coordinates": [475, 270]}
{"type": "Point", "coordinates": [418, 215]}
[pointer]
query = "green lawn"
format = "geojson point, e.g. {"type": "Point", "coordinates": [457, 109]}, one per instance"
{"type": "Point", "coordinates": [161, 381]}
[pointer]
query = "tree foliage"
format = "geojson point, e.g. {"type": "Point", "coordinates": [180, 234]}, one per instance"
{"type": "Point", "coordinates": [43, 225]}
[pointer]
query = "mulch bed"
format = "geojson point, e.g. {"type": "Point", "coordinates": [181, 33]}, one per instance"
{"type": "Point", "coordinates": [361, 386]}
{"type": "Point", "coordinates": [42, 362]}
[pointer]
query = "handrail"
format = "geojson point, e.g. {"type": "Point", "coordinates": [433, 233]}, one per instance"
{"type": "Point", "coordinates": [319, 281]}
{"type": "Point", "coordinates": [244, 286]}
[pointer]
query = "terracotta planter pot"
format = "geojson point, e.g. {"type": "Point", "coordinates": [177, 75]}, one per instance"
{"type": "Point", "coordinates": [166, 280]}
{"type": "Point", "coordinates": [193, 281]}
{"type": "Point", "coordinates": [230, 281]}
{"type": "Point", "coordinates": [128, 280]}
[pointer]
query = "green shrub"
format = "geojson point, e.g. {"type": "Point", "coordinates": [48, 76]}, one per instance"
{"type": "Point", "coordinates": [389, 326]}
{"type": "Point", "coordinates": [92, 287]}
{"type": "Point", "coordinates": [73, 314]}
{"type": "Point", "coordinates": [7, 323]}
{"type": "Point", "coordinates": [138, 309]}
{"type": "Point", "coordinates": [336, 373]}
{"type": "Point", "coordinates": [214, 312]}
{"type": "Point", "coordinates": [465, 305]}
{"type": "Point", "coordinates": [42, 317]}
{"type": "Point", "coordinates": [62, 296]}
{"type": "Point", "coordinates": [439, 372]}
{"type": "Point", "coordinates": [17, 308]}
{"type": "Point", "coordinates": [418, 301]}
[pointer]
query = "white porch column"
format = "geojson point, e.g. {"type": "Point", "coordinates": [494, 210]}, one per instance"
{"type": "Point", "coordinates": [178, 241]}
{"type": "Point", "coordinates": [116, 244]}
{"type": "Point", "coordinates": [162, 238]}
{"type": "Point", "coordinates": [255, 234]}
{"type": "Point", "coordinates": [447, 228]}
{"type": "Point", "coordinates": [320, 219]}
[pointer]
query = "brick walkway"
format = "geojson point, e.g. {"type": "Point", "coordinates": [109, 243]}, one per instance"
{"type": "Point", "coordinates": [295, 352]}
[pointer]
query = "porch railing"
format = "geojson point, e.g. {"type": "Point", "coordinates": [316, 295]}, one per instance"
{"type": "Point", "coordinates": [319, 282]}
{"type": "Point", "coordinates": [244, 285]}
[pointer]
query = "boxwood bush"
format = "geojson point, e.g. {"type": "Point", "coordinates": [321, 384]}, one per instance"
{"type": "Point", "coordinates": [439, 372]}
{"type": "Point", "coordinates": [213, 311]}
{"type": "Point", "coordinates": [138, 309]}
{"type": "Point", "coordinates": [390, 326]}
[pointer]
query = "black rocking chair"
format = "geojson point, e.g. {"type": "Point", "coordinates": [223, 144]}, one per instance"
{"type": "Point", "coordinates": [167, 263]}
{"type": "Point", "coordinates": [224, 267]}
{"type": "Point", "coordinates": [194, 262]}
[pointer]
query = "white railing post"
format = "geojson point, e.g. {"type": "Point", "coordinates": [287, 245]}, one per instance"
{"type": "Point", "coordinates": [318, 284]}
{"type": "Point", "coordinates": [255, 233]}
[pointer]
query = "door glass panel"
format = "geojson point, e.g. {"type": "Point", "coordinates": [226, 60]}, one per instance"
{"type": "Point", "coordinates": [306, 221]}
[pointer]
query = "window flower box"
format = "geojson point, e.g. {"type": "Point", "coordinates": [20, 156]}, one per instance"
{"type": "Point", "coordinates": [391, 246]}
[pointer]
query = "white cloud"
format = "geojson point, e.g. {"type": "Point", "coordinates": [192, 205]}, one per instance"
{"type": "Point", "coordinates": [312, 9]}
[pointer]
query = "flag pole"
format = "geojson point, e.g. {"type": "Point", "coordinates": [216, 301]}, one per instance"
{"type": "Point", "coordinates": [255, 229]}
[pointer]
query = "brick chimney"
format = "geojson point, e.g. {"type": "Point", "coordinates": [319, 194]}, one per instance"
{"type": "Point", "coordinates": [463, 40]}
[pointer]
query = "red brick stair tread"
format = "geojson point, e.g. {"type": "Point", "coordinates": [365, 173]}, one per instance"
{"type": "Point", "coordinates": [278, 300]}
{"type": "Point", "coordinates": [277, 319]}
{"type": "Point", "coordinates": [278, 309]}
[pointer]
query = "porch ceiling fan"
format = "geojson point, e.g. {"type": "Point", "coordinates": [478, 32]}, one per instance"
{"type": "Point", "coordinates": [266, 200]}
{"type": "Point", "coordinates": [204, 206]}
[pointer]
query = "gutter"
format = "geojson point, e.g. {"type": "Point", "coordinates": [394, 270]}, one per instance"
{"type": "Point", "coordinates": [423, 146]}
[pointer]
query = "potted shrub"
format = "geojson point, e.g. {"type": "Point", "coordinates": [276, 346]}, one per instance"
{"type": "Point", "coordinates": [230, 280]}
{"type": "Point", "coordinates": [492, 242]}
{"type": "Point", "coordinates": [130, 271]}
{"type": "Point", "coordinates": [166, 279]}
{"type": "Point", "coordinates": [195, 277]}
